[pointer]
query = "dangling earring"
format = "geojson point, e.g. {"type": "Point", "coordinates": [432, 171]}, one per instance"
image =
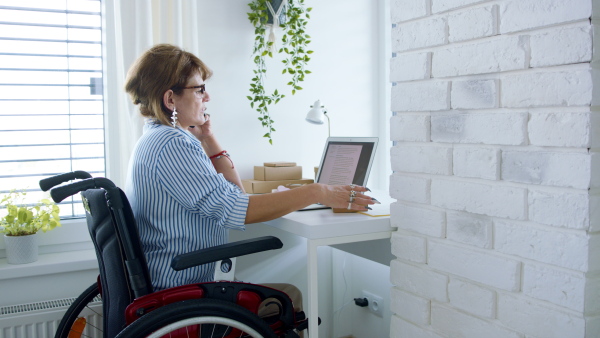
{"type": "Point", "coordinates": [174, 118]}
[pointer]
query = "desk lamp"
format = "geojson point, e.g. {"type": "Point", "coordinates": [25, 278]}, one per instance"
{"type": "Point", "coordinates": [317, 115]}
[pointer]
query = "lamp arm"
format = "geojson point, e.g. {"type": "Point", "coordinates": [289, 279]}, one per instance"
{"type": "Point", "coordinates": [328, 122]}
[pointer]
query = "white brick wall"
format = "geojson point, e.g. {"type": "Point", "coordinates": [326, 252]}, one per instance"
{"type": "Point", "coordinates": [468, 263]}
{"type": "Point", "coordinates": [471, 298]}
{"type": "Point", "coordinates": [561, 287]}
{"type": "Point", "coordinates": [422, 158]}
{"type": "Point", "coordinates": [442, 6]}
{"type": "Point", "coordinates": [479, 198]}
{"type": "Point", "coordinates": [488, 128]}
{"type": "Point", "coordinates": [472, 23]}
{"type": "Point", "coordinates": [422, 96]}
{"type": "Point", "coordinates": [433, 30]}
{"type": "Point", "coordinates": [403, 10]}
{"type": "Point", "coordinates": [474, 94]}
{"type": "Point", "coordinates": [496, 169]}
{"type": "Point", "coordinates": [477, 162]}
{"type": "Point", "coordinates": [492, 55]}
{"type": "Point", "coordinates": [422, 282]}
{"type": "Point", "coordinates": [408, 67]}
{"type": "Point", "coordinates": [410, 188]}
{"type": "Point", "coordinates": [543, 244]}
{"type": "Point", "coordinates": [545, 89]}
{"type": "Point", "coordinates": [560, 208]}
{"type": "Point", "coordinates": [426, 221]}
{"type": "Point", "coordinates": [411, 127]}
{"type": "Point", "coordinates": [409, 248]}
{"type": "Point", "coordinates": [417, 310]}
{"type": "Point", "coordinates": [469, 229]}
{"type": "Point", "coordinates": [561, 169]}
{"type": "Point", "coordinates": [444, 319]}
{"type": "Point", "coordinates": [561, 45]}
{"type": "Point", "coordinates": [559, 129]}
{"type": "Point", "coordinates": [538, 319]}
{"type": "Point", "coordinates": [527, 14]}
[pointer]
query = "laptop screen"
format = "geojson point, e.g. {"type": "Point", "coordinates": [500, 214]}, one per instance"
{"type": "Point", "coordinates": [347, 160]}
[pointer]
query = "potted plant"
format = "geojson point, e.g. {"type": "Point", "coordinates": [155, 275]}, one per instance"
{"type": "Point", "coordinates": [21, 224]}
{"type": "Point", "coordinates": [294, 46]}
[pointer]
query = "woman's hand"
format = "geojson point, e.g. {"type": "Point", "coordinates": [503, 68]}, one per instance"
{"type": "Point", "coordinates": [349, 197]}
{"type": "Point", "coordinates": [203, 131]}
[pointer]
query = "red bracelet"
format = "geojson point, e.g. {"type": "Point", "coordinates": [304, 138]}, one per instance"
{"type": "Point", "coordinates": [221, 154]}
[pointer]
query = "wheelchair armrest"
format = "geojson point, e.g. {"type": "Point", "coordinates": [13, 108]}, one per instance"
{"type": "Point", "coordinates": [229, 250]}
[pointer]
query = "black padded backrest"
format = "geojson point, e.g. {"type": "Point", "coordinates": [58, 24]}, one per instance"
{"type": "Point", "coordinates": [116, 283]}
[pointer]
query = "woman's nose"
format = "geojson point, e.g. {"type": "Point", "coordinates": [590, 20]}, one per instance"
{"type": "Point", "coordinates": [206, 97]}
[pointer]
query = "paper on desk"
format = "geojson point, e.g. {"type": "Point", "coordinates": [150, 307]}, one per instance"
{"type": "Point", "coordinates": [378, 210]}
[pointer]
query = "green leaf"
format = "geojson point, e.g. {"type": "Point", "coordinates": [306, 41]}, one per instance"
{"type": "Point", "coordinates": [295, 43]}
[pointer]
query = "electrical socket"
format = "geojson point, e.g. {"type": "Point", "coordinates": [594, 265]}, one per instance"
{"type": "Point", "coordinates": [375, 303]}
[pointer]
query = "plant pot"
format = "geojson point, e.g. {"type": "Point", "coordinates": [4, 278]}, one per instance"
{"type": "Point", "coordinates": [276, 4]}
{"type": "Point", "coordinates": [21, 249]}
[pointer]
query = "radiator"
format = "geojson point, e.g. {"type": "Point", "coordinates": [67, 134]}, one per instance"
{"type": "Point", "coordinates": [40, 320]}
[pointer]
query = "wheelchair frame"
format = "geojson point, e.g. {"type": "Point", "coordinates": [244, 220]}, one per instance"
{"type": "Point", "coordinates": [231, 307]}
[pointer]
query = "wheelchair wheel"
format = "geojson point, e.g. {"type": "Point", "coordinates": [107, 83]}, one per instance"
{"type": "Point", "coordinates": [73, 323]}
{"type": "Point", "coordinates": [203, 317]}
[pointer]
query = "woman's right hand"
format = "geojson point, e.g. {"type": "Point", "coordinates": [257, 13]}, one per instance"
{"type": "Point", "coordinates": [204, 131]}
{"type": "Point", "coordinates": [340, 196]}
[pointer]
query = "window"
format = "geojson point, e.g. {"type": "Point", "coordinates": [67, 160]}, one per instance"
{"type": "Point", "coordinates": [51, 93]}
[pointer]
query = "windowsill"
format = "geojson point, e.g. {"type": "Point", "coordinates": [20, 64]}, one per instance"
{"type": "Point", "coordinates": [50, 263]}
{"type": "Point", "coordinates": [64, 249]}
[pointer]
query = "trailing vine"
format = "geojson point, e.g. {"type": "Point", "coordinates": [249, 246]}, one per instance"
{"type": "Point", "coordinates": [294, 44]}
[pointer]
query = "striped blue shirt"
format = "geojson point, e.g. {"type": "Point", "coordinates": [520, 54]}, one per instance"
{"type": "Point", "coordinates": [180, 202]}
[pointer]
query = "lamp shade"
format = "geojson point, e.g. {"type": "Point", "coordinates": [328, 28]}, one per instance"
{"type": "Point", "coordinates": [316, 114]}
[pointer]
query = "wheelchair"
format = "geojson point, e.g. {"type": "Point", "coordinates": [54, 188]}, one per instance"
{"type": "Point", "coordinates": [130, 307]}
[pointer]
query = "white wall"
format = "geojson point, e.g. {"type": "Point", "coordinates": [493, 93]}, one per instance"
{"type": "Point", "coordinates": [351, 275]}
{"type": "Point", "coordinates": [495, 169]}
{"type": "Point", "coordinates": [346, 77]}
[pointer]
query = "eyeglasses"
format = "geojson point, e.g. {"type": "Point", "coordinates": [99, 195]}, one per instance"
{"type": "Point", "coordinates": [202, 88]}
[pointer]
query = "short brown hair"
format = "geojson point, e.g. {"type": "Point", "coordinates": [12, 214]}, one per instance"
{"type": "Point", "coordinates": [159, 69]}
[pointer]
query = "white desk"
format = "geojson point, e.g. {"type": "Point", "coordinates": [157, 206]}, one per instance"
{"type": "Point", "coordinates": [322, 228]}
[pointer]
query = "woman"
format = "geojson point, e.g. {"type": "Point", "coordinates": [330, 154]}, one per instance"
{"type": "Point", "coordinates": [183, 187]}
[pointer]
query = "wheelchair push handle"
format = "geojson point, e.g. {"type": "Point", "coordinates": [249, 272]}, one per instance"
{"type": "Point", "coordinates": [47, 183]}
{"type": "Point", "coordinates": [60, 193]}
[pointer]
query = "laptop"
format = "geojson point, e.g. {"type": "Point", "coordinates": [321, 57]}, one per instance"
{"type": "Point", "coordinates": [345, 160]}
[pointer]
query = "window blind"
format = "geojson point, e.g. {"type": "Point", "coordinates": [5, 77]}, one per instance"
{"type": "Point", "coordinates": [51, 95]}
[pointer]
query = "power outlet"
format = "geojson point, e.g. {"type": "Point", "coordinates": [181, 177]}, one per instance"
{"type": "Point", "coordinates": [375, 303]}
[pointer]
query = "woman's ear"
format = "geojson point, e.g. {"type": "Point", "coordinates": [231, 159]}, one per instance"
{"type": "Point", "coordinates": [168, 99]}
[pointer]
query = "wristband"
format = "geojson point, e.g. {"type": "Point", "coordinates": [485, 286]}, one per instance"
{"type": "Point", "coordinates": [223, 153]}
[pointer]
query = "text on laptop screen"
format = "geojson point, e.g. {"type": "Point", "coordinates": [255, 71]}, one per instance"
{"type": "Point", "coordinates": [346, 162]}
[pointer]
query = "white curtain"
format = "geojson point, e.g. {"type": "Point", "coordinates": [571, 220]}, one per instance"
{"type": "Point", "coordinates": [133, 26]}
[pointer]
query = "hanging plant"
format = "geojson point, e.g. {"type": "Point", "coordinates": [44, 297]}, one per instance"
{"type": "Point", "coordinates": [294, 45]}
